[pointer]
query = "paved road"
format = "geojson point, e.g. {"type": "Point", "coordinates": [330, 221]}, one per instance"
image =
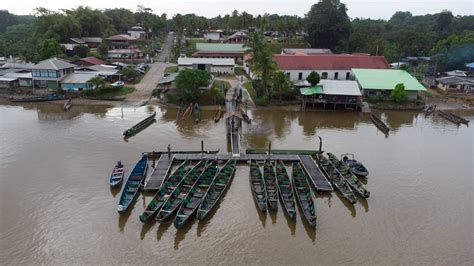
{"type": "Point", "coordinates": [166, 49]}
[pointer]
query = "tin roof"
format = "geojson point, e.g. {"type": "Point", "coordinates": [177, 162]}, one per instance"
{"type": "Point", "coordinates": [53, 64]}
{"type": "Point", "coordinates": [220, 47]}
{"type": "Point", "coordinates": [329, 62]}
{"type": "Point", "coordinates": [210, 61]}
{"type": "Point", "coordinates": [386, 79]}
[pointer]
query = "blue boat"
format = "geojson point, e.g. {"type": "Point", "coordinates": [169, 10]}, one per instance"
{"type": "Point", "coordinates": [117, 175]}
{"type": "Point", "coordinates": [133, 185]}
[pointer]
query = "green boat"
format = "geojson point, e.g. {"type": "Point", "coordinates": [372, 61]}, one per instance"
{"type": "Point", "coordinates": [179, 193]}
{"type": "Point", "coordinates": [303, 193]}
{"type": "Point", "coordinates": [194, 198]}
{"type": "Point", "coordinates": [164, 192]}
{"type": "Point", "coordinates": [140, 126]}
{"type": "Point", "coordinates": [257, 185]}
{"type": "Point", "coordinates": [347, 174]}
{"type": "Point", "coordinates": [270, 185]}
{"type": "Point", "coordinates": [336, 178]}
{"type": "Point", "coordinates": [285, 190]}
{"type": "Point", "coordinates": [217, 189]}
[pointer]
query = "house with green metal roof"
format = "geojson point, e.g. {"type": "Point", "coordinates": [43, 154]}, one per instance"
{"type": "Point", "coordinates": [380, 82]}
{"type": "Point", "coordinates": [220, 50]}
{"type": "Point", "coordinates": [332, 94]}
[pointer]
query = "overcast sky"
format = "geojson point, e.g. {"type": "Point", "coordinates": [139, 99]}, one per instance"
{"type": "Point", "coordinates": [356, 8]}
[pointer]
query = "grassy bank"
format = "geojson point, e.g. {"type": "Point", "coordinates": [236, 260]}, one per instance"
{"type": "Point", "coordinates": [171, 69]}
{"type": "Point", "coordinates": [109, 92]}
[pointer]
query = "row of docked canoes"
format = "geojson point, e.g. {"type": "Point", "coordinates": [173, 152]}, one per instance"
{"type": "Point", "coordinates": [190, 191]}
{"type": "Point", "coordinates": [275, 182]}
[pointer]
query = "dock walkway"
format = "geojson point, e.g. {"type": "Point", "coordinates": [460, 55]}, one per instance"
{"type": "Point", "coordinates": [242, 157]}
{"type": "Point", "coordinates": [159, 173]}
{"type": "Point", "coordinates": [317, 177]}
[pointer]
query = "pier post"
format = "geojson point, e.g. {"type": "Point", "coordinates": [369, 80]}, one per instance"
{"type": "Point", "coordinates": [202, 146]}
{"type": "Point", "coordinates": [169, 151]}
{"type": "Point", "coordinates": [270, 148]}
{"type": "Point", "coordinates": [320, 144]}
{"type": "Point", "coordinates": [153, 157]}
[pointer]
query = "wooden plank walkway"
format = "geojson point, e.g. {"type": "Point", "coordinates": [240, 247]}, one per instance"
{"type": "Point", "coordinates": [317, 177]}
{"type": "Point", "coordinates": [159, 173]}
{"type": "Point", "coordinates": [242, 157]}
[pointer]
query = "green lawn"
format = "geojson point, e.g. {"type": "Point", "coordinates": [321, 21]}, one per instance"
{"type": "Point", "coordinates": [217, 84]}
{"type": "Point", "coordinates": [248, 85]}
{"type": "Point", "coordinates": [171, 69]}
{"type": "Point", "coordinates": [112, 92]}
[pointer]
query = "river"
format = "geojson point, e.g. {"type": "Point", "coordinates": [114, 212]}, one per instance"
{"type": "Point", "coordinates": [57, 207]}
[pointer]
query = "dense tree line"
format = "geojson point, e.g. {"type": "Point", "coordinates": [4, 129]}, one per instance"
{"type": "Point", "coordinates": [448, 39]}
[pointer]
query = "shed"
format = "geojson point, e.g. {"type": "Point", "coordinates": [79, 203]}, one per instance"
{"type": "Point", "coordinates": [333, 94]}
{"type": "Point", "coordinates": [78, 81]}
{"type": "Point", "coordinates": [380, 82]}
{"type": "Point", "coordinates": [212, 65]}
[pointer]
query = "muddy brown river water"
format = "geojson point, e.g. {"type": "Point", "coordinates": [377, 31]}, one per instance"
{"type": "Point", "coordinates": [56, 206]}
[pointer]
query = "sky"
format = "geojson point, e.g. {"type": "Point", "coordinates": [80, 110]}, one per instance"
{"type": "Point", "coordinates": [375, 9]}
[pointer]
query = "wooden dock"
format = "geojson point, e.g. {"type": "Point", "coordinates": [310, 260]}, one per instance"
{"type": "Point", "coordinates": [159, 173]}
{"type": "Point", "coordinates": [317, 177]}
{"type": "Point", "coordinates": [241, 157]}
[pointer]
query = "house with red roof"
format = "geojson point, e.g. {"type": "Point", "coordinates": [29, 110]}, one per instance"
{"type": "Point", "coordinates": [329, 66]}
{"type": "Point", "coordinates": [124, 48]}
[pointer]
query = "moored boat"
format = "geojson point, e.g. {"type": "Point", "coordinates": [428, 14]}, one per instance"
{"type": "Point", "coordinates": [356, 167]}
{"type": "Point", "coordinates": [67, 104]}
{"type": "Point", "coordinates": [164, 192]}
{"type": "Point", "coordinates": [194, 198]}
{"type": "Point", "coordinates": [46, 98]}
{"type": "Point", "coordinates": [336, 178]}
{"type": "Point", "coordinates": [271, 188]}
{"type": "Point", "coordinates": [217, 189]}
{"type": "Point", "coordinates": [197, 113]}
{"type": "Point", "coordinates": [257, 185]}
{"type": "Point", "coordinates": [347, 174]}
{"type": "Point", "coordinates": [140, 126]}
{"type": "Point", "coordinates": [180, 192]}
{"type": "Point", "coordinates": [117, 175]}
{"type": "Point", "coordinates": [303, 193]}
{"type": "Point", "coordinates": [133, 185]}
{"type": "Point", "coordinates": [285, 189]}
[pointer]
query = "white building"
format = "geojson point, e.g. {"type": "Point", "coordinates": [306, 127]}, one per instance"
{"type": "Point", "coordinates": [213, 35]}
{"type": "Point", "coordinates": [137, 32]}
{"type": "Point", "coordinates": [329, 66]}
{"type": "Point", "coordinates": [212, 65]}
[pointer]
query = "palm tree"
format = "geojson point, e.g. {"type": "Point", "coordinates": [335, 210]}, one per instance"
{"type": "Point", "coordinates": [261, 62]}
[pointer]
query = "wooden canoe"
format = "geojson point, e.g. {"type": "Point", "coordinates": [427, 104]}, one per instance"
{"type": "Point", "coordinates": [194, 198]}
{"type": "Point", "coordinates": [347, 174]}
{"type": "Point", "coordinates": [140, 126]}
{"type": "Point", "coordinates": [67, 104]}
{"type": "Point", "coordinates": [271, 188]}
{"type": "Point", "coordinates": [257, 185]}
{"type": "Point", "coordinates": [304, 195]}
{"type": "Point", "coordinates": [285, 190]}
{"type": "Point", "coordinates": [133, 185]}
{"type": "Point", "coordinates": [356, 167]}
{"type": "Point", "coordinates": [117, 175]}
{"type": "Point", "coordinates": [179, 193]}
{"type": "Point", "coordinates": [217, 189]}
{"type": "Point", "coordinates": [165, 190]}
{"type": "Point", "coordinates": [336, 178]}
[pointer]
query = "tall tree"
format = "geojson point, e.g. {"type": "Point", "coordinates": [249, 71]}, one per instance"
{"type": "Point", "coordinates": [49, 48]}
{"type": "Point", "coordinates": [328, 25]}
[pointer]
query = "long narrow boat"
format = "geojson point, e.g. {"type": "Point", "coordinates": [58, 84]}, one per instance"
{"type": "Point", "coordinates": [217, 188]}
{"type": "Point", "coordinates": [271, 188]}
{"type": "Point", "coordinates": [356, 167]}
{"type": "Point", "coordinates": [257, 185]}
{"type": "Point", "coordinates": [133, 185]}
{"type": "Point", "coordinates": [379, 123]}
{"type": "Point", "coordinates": [117, 175]}
{"type": "Point", "coordinates": [67, 104]}
{"type": "Point", "coordinates": [347, 174]}
{"type": "Point", "coordinates": [46, 98]}
{"type": "Point", "coordinates": [179, 193]}
{"type": "Point", "coordinates": [303, 193]}
{"type": "Point", "coordinates": [460, 118]}
{"type": "Point", "coordinates": [336, 178]}
{"type": "Point", "coordinates": [285, 190]}
{"type": "Point", "coordinates": [140, 126]}
{"type": "Point", "coordinates": [194, 198]}
{"type": "Point", "coordinates": [164, 192]}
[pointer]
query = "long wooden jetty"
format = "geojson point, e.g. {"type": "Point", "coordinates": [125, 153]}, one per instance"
{"type": "Point", "coordinates": [379, 123]}
{"type": "Point", "coordinates": [317, 177]}
{"type": "Point", "coordinates": [159, 173]}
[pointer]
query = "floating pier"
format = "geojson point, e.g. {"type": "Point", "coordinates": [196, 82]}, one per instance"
{"type": "Point", "coordinates": [160, 172]}
{"type": "Point", "coordinates": [317, 177]}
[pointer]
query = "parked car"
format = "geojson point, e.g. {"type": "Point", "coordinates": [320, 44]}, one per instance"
{"type": "Point", "coordinates": [118, 84]}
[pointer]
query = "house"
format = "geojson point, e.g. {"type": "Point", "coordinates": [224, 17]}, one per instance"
{"type": "Point", "coordinates": [91, 42]}
{"type": "Point", "coordinates": [220, 50]}
{"type": "Point", "coordinates": [124, 47]}
{"type": "Point", "coordinates": [329, 66]}
{"type": "Point", "coordinates": [48, 73]}
{"type": "Point", "coordinates": [455, 73]}
{"type": "Point", "coordinates": [470, 69]}
{"type": "Point", "coordinates": [212, 65]}
{"type": "Point", "coordinates": [238, 37]}
{"type": "Point", "coordinates": [305, 51]}
{"type": "Point", "coordinates": [23, 78]}
{"type": "Point", "coordinates": [332, 94]}
{"type": "Point", "coordinates": [455, 84]}
{"type": "Point", "coordinates": [108, 73]}
{"type": "Point", "coordinates": [6, 82]}
{"type": "Point", "coordinates": [213, 35]}
{"type": "Point", "coordinates": [89, 61]}
{"type": "Point", "coordinates": [78, 81]}
{"type": "Point", "coordinates": [137, 32]}
{"type": "Point", "coordinates": [381, 82]}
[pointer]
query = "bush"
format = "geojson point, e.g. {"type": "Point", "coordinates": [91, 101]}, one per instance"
{"type": "Point", "coordinates": [239, 71]}
{"type": "Point", "coordinates": [399, 95]}
{"type": "Point", "coordinates": [211, 96]}
{"type": "Point", "coordinates": [313, 78]}
{"type": "Point", "coordinates": [174, 99]}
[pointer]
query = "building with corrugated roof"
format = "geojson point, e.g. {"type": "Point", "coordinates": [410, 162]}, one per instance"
{"type": "Point", "coordinates": [212, 65]}
{"type": "Point", "coordinates": [48, 73]}
{"type": "Point", "coordinates": [220, 50]}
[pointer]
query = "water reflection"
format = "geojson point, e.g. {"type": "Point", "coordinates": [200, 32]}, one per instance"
{"type": "Point", "coordinates": [291, 223]}
{"type": "Point", "coordinates": [114, 191]}
{"type": "Point", "coordinates": [346, 203]}
{"type": "Point", "coordinates": [146, 228]}
{"type": "Point", "coordinates": [363, 201]}
{"type": "Point", "coordinates": [123, 218]}
{"type": "Point", "coordinates": [310, 231]}
{"type": "Point", "coordinates": [396, 119]}
{"type": "Point", "coordinates": [273, 215]}
{"type": "Point", "coordinates": [181, 234]}
{"type": "Point", "coordinates": [162, 228]}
